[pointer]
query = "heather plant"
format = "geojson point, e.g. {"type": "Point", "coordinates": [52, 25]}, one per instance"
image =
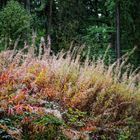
{"type": "Point", "coordinates": [103, 100]}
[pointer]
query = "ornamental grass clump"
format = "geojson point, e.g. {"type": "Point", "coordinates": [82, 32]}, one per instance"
{"type": "Point", "coordinates": [109, 96]}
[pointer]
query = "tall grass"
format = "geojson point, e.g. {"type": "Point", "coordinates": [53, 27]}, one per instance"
{"type": "Point", "coordinates": [109, 94]}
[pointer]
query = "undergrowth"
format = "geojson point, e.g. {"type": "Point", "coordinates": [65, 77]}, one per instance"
{"type": "Point", "coordinates": [59, 97]}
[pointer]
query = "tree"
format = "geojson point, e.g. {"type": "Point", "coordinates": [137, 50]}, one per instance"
{"type": "Point", "coordinates": [15, 22]}
{"type": "Point", "coordinates": [92, 22]}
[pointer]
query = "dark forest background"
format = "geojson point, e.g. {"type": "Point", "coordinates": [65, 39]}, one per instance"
{"type": "Point", "coordinates": [98, 24]}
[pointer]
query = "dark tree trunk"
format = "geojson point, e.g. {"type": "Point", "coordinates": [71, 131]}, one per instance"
{"type": "Point", "coordinates": [49, 24]}
{"type": "Point", "coordinates": [28, 4]}
{"type": "Point", "coordinates": [118, 47]}
{"type": "Point", "coordinates": [2, 3]}
{"type": "Point", "coordinates": [96, 10]}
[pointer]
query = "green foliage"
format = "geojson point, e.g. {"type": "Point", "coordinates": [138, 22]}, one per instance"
{"type": "Point", "coordinates": [99, 35]}
{"type": "Point", "coordinates": [79, 22]}
{"type": "Point", "coordinates": [6, 126]}
{"type": "Point", "coordinates": [74, 117]}
{"type": "Point", "coordinates": [4, 135]}
{"type": "Point", "coordinates": [52, 127]}
{"type": "Point", "coordinates": [49, 119]}
{"type": "Point", "coordinates": [6, 121]}
{"type": "Point", "coordinates": [15, 22]}
{"type": "Point", "coordinates": [124, 134]}
{"type": "Point", "coordinates": [98, 39]}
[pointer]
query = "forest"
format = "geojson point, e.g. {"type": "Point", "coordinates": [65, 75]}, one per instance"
{"type": "Point", "coordinates": [69, 70]}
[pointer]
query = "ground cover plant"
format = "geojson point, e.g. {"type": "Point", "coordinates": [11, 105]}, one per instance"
{"type": "Point", "coordinates": [58, 97]}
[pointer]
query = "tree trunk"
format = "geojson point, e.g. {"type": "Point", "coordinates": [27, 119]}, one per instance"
{"type": "Point", "coordinates": [118, 47]}
{"type": "Point", "coordinates": [96, 10]}
{"type": "Point", "coordinates": [28, 5]}
{"type": "Point", "coordinates": [2, 3]}
{"type": "Point", "coordinates": [49, 24]}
